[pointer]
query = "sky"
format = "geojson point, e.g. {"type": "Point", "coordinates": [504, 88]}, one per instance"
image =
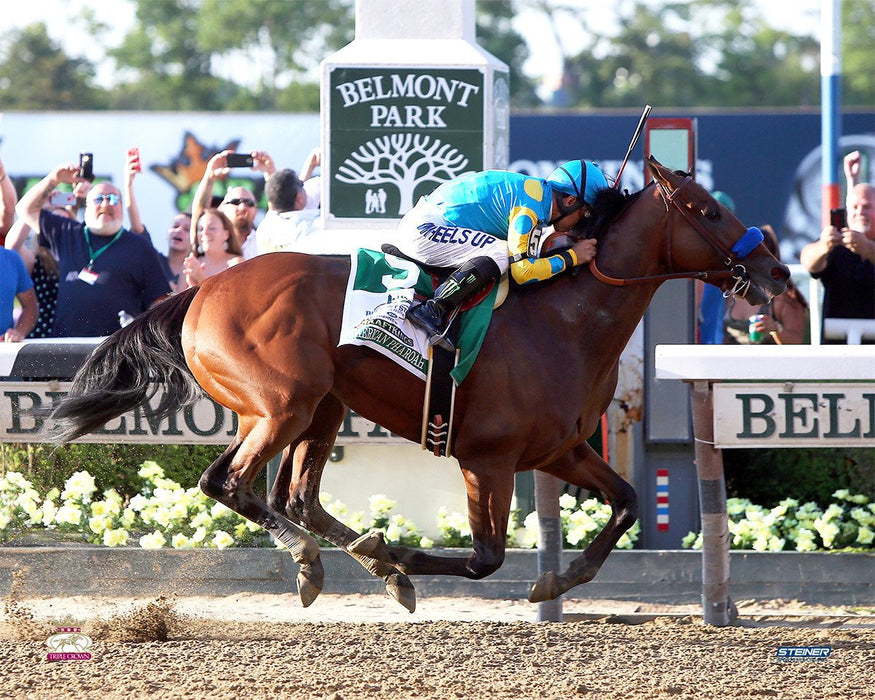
{"type": "Point", "coordinates": [544, 62]}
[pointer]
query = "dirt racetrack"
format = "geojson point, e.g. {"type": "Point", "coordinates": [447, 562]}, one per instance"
{"type": "Point", "coordinates": [349, 647]}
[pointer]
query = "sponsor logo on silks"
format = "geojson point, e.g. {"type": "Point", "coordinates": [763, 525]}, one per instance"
{"type": "Point", "coordinates": [803, 653]}
{"type": "Point", "coordinates": [455, 234]}
{"type": "Point", "coordinates": [68, 644]}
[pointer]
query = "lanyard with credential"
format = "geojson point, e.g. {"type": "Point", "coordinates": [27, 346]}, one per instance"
{"type": "Point", "coordinates": [87, 274]}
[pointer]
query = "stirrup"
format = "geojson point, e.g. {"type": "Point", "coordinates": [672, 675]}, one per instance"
{"type": "Point", "coordinates": [441, 339]}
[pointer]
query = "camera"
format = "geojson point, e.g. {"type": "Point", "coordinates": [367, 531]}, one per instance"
{"type": "Point", "coordinates": [86, 166]}
{"type": "Point", "coordinates": [838, 218]}
{"type": "Point", "coordinates": [239, 160]}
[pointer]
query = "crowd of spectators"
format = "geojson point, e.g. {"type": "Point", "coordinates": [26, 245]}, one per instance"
{"type": "Point", "coordinates": [70, 267]}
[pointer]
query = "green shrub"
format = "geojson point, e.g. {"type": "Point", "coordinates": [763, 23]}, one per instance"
{"type": "Point", "coordinates": [768, 476]}
{"type": "Point", "coordinates": [112, 466]}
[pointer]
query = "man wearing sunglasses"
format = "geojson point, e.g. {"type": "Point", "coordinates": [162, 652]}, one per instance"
{"type": "Point", "coordinates": [239, 203]}
{"type": "Point", "coordinates": [103, 268]}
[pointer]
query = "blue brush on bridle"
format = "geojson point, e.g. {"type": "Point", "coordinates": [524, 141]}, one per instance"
{"type": "Point", "coordinates": [745, 245]}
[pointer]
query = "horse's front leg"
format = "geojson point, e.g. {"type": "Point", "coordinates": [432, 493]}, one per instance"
{"type": "Point", "coordinates": [583, 467]}
{"type": "Point", "coordinates": [490, 490]}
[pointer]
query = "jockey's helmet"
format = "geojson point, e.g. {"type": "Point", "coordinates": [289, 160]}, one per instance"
{"type": "Point", "coordinates": [578, 178]}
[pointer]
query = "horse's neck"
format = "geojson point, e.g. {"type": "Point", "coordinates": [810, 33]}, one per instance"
{"type": "Point", "coordinates": [635, 245]}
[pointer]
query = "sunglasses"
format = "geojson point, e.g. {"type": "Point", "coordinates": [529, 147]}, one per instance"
{"type": "Point", "coordinates": [236, 202]}
{"type": "Point", "coordinates": [99, 199]}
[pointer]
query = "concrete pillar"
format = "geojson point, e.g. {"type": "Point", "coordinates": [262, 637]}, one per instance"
{"type": "Point", "coordinates": [412, 102]}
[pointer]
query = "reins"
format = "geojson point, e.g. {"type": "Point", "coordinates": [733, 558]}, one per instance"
{"type": "Point", "coordinates": [734, 270]}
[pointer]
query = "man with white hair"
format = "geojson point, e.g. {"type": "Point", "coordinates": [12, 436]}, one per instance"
{"type": "Point", "coordinates": [104, 270]}
{"type": "Point", "coordinates": [844, 259]}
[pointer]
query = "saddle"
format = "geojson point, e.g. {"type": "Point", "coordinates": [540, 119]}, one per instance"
{"type": "Point", "coordinates": [440, 389]}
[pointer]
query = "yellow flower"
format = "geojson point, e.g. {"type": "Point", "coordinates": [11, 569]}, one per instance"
{"type": "Point", "coordinates": [154, 540]}
{"type": "Point", "coordinates": [222, 539]}
{"type": "Point", "coordinates": [115, 537]}
{"type": "Point", "coordinates": [180, 541]}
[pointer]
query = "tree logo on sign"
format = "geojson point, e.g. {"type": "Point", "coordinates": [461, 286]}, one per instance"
{"type": "Point", "coordinates": [402, 160]}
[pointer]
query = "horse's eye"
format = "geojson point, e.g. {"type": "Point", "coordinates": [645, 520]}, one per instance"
{"type": "Point", "coordinates": [712, 214]}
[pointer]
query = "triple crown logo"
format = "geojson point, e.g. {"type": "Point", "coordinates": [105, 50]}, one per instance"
{"type": "Point", "coordinates": [68, 644]}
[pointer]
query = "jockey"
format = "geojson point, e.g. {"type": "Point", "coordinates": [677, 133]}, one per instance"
{"type": "Point", "coordinates": [484, 222]}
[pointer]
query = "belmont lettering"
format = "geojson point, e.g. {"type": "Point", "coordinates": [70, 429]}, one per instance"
{"type": "Point", "coordinates": [801, 413]}
{"type": "Point", "coordinates": [19, 411]}
{"type": "Point", "coordinates": [766, 406]}
{"type": "Point", "coordinates": [828, 416]}
{"type": "Point", "coordinates": [870, 399]}
{"type": "Point", "coordinates": [833, 432]}
{"type": "Point", "coordinates": [422, 86]}
{"type": "Point", "coordinates": [141, 413]}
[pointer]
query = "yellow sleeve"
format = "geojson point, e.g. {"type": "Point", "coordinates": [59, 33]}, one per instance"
{"type": "Point", "coordinates": [528, 270]}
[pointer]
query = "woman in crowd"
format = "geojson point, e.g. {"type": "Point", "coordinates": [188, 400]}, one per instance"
{"type": "Point", "coordinates": [217, 248]}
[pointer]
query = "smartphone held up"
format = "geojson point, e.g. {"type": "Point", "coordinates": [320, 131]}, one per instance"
{"type": "Point", "coordinates": [239, 160]}
{"type": "Point", "coordinates": [134, 159]}
{"type": "Point", "coordinates": [838, 218]}
{"type": "Point", "coordinates": [86, 166]}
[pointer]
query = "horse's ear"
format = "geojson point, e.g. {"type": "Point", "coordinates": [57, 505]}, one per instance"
{"type": "Point", "coordinates": [660, 172]}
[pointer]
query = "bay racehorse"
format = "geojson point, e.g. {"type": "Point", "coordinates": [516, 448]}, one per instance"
{"type": "Point", "coordinates": [261, 339]}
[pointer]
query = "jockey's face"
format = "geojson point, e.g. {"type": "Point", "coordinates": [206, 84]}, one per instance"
{"type": "Point", "coordinates": [566, 221]}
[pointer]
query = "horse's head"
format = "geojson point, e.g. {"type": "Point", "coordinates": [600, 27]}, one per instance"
{"type": "Point", "coordinates": [704, 236]}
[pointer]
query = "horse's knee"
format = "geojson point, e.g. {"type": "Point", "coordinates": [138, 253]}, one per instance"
{"type": "Point", "coordinates": [626, 507]}
{"type": "Point", "coordinates": [277, 501]}
{"type": "Point", "coordinates": [484, 563]}
{"type": "Point", "coordinates": [212, 484]}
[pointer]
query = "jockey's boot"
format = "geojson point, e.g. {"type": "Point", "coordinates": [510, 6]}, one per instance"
{"type": "Point", "coordinates": [434, 315]}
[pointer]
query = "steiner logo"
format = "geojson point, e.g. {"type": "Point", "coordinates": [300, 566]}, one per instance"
{"type": "Point", "coordinates": [803, 653]}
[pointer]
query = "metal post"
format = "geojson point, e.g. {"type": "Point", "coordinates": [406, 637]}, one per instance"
{"type": "Point", "coordinates": [716, 606]}
{"type": "Point", "coordinates": [547, 489]}
{"type": "Point", "coordinates": [830, 101]}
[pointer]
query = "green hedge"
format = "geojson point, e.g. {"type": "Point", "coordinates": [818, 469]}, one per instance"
{"type": "Point", "coordinates": [768, 476]}
{"type": "Point", "coordinates": [112, 466]}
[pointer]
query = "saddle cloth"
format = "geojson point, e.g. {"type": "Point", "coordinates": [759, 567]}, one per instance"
{"type": "Point", "coordinates": [379, 292]}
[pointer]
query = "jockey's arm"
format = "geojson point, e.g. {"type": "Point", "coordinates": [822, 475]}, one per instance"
{"type": "Point", "coordinates": [525, 269]}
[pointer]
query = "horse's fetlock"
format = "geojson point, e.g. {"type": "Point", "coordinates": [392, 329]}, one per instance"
{"type": "Point", "coordinates": [482, 565]}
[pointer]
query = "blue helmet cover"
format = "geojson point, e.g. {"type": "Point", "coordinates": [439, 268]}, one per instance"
{"type": "Point", "coordinates": [578, 178]}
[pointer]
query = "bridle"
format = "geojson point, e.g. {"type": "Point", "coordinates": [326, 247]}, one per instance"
{"type": "Point", "coordinates": [731, 258]}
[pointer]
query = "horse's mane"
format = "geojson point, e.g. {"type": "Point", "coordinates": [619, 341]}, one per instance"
{"type": "Point", "coordinates": [608, 204]}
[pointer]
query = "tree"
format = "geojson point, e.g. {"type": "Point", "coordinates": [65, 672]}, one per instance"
{"type": "Point", "coordinates": [700, 53]}
{"type": "Point", "coordinates": [496, 34]}
{"type": "Point", "coordinates": [858, 57]}
{"type": "Point", "coordinates": [162, 64]}
{"type": "Point", "coordinates": [36, 74]}
{"type": "Point", "coordinates": [281, 42]}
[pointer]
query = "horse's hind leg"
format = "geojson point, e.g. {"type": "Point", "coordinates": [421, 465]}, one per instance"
{"type": "Point", "coordinates": [490, 490]}
{"type": "Point", "coordinates": [296, 491]}
{"type": "Point", "coordinates": [229, 480]}
{"type": "Point", "coordinates": [583, 467]}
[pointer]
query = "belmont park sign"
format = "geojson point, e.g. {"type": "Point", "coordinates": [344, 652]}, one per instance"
{"type": "Point", "coordinates": [794, 414]}
{"type": "Point", "coordinates": [396, 133]}
{"type": "Point", "coordinates": [203, 423]}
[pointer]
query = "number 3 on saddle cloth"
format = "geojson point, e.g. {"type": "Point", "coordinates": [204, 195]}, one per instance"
{"type": "Point", "coordinates": [379, 292]}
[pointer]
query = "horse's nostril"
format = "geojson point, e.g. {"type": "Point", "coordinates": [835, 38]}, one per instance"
{"type": "Point", "coordinates": [780, 274]}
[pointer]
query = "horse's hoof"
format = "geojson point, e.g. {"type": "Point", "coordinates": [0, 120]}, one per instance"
{"type": "Point", "coordinates": [545, 588]}
{"type": "Point", "coordinates": [371, 544]}
{"type": "Point", "coordinates": [310, 579]}
{"type": "Point", "coordinates": [401, 589]}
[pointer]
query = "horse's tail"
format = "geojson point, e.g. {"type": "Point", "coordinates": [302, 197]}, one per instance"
{"type": "Point", "coordinates": [126, 369]}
